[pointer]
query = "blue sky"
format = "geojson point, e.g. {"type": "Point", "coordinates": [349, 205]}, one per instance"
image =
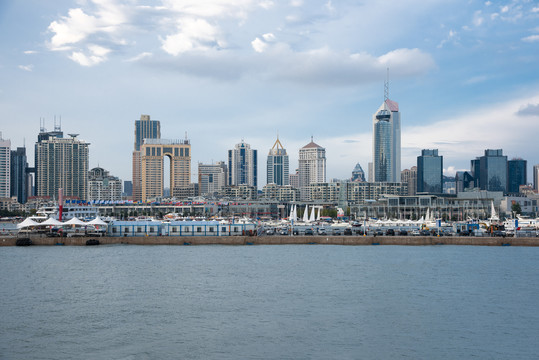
{"type": "Point", "coordinates": [465, 74]}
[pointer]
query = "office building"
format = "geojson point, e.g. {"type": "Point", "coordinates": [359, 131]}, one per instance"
{"type": "Point", "coordinates": [282, 193]}
{"type": "Point", "coordinates": [294, 179]}
{"type": "Point", "coordinates": [212, 178]}
{"type": "Point", "coordinates": [430, 168]}
{"type": "Point", "coordinates": [102, 186]}
{"type": "Point", "coordinates": [5, 167]}
{"type": "Point", "coordinates": [62, 163]}
{"type": "Point", "coordinates": [409, 177]}
{"type": "Point", "coordinates": [516, 175]}
{"type": "Point", "coordinates": [145, 128]}
{"type": "Point", "coordinates": [312, 167]}
{"type": "Point", "coordinates": [243, 165]}
{"type": "Point", "coordinates": [386, 161]}
{"type": "Point", "coordinates": [492, 174]}
{"type": "Point", "coordinates": [152, 154]}
{"type": "Point", "coordinates": [464, 180]}
{"type": "Point", "coordinates": [277, 165]}
{"type": "Point", "coordinates": [128, 188]}
{"type": "Point", "coordinates": [536, 178]}
{"type": "Point", "coordinates": [19, 175]}
{"type": "Point", "coordinates": [358, 174]}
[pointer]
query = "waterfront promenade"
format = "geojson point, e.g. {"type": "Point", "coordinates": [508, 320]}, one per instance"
{"type": "Point", "coordinates": [285, 240]}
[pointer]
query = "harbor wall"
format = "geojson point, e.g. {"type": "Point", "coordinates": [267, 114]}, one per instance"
{"type": "Point", "coordinates": [284, 240]}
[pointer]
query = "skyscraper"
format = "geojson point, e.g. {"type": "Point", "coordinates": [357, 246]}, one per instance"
{"type": "Point", "coordinates": [386, 152]}
{"type": "Point", "coordinates": [516, 175]}
{"type": "Point", "coordinates": [312, 167]}
{"type": "Point", "coordinates": [152, 154]}
{"type": "Point", "coordinates": [42, 136]}
{"type": "Point", "coordinates": [212, 178]}
{"type": "Point", "coordinates": [5, 167]}
{"type": "Point", "coordinates": [430, 172]}
{"type": "Point", "coordinates": [536, 177]}
{"type": "Point", "coordinates": [492, 170]}
{"type": "Point", "coordinates": [19, 175]}
{"type": "Point", "coordinates": [358, 174]}
{"type": "Point", "coordinates": [409, 177]}
{"type": "Point", "coordinates": [62, 163]}
{"type": "Point", "coordinates": [277, 166]}
{"type": "Point", "coordinates": [144, 129]}
{"type": "Point", "coordinates": [243, 165]}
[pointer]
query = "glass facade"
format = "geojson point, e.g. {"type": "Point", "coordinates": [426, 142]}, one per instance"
{"type": "Point", "coordinates": [516, 175]}
{"type": "Point", "coordinates": [493, 171]}
{"type": "Point", "coordinates": [430, 172]}
{"type": "Point", "coordinates": [382, 147]}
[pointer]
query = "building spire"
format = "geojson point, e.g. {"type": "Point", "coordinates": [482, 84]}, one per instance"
{"type": "Point", "coordinates": [386, 87]}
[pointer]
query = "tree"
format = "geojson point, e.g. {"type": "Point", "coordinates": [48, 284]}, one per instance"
{"type": "Point", "coordinates": [516, 208]}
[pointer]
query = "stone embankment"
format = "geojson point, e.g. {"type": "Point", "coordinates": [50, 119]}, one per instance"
{"type": "Point", "coordinates": [284, 240]}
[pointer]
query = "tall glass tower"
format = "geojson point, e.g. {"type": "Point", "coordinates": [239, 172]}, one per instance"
{"type": "Point", "coordinates": [430, 168]}
{"type": "Point", "coordinates": [278, 167]}
{"type": "Point", "coordinates": [242, 165]}
{"type": "Point", "coordinates": [516, 175]}
{"type": "Point", "coordinates": [386, 154]}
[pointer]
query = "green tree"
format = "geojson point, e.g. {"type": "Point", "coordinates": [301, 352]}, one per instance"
{"type": "Point", "coordinates": [516, 208]}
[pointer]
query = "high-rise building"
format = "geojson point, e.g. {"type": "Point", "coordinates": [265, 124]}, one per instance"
{"type": "Point", "coordinates": [128, 188]}
{"type": "Point", "coordinates": [516, 175]}
{"type": "Point", "coordinates": [152, 154]}
{"type": "Point", "coordinates": [19, 175]}
{"type": "Point", "coordinates": [5, 167]}
{"type": "Point", "coordinates": [277, 166]}
{"type": "Point", "coordinates": [62, 163]}
{"type": "Point", "coordinates": [144, 129]}
{"type": "Point", "coordinates": [312, 167]}
{"type": "Point", "coordinates": [464, 180]}
{"type": "Point", "coordinates": [430, 172]}
{"type": "Point", "coordinates": [212, 178]}
{"type": "Point", "coordinates": [358, 174]}
{"type": "Point", "coordinates": [243, 165]}
{"type": "Point", "coordinates": [492, 170]}
{"type": "Point", "coordinates": [42, 136]}
{"type": "Point", "coordinates": [294, 179]}
{"type": "Point", "coordinates": [536, 177]}
{"type": "Point", "coordinates": [409, 177]}
{"type": "Point", "coordinates": [102, 186]}
{"type": "Point", "coordinates": [386, 152]}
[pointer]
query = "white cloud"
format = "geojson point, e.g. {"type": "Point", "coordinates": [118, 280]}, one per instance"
{"type": "Point", "coordinates": [528, 110]}
{"type": "Point", "coordinates": [259, 45]}
{"type": "Point", "coordinates": [531, 38]}
{"type": "Point", "coordinates": [26, 67]}
{"type": "Point", "coordinates": [476, 80]}
{"type": "Point", "coordinates": [30, 52]}
{"type": "Point", "coordinates": [266, 4]}
{"type": "Point", "coordinates": [488, 3]}
{"type": "Point", "coordinates": [193, 34]}
{"type": "Point", "coordinates": [296, 3]}
{"type": "Point", "coordinates": [535, 9]}
{"type": "Point", "coordinates": [96, 54]}
{"type": "Point", "coordinates": [477, 18]}
{"type": "Point", "coordinates": [451, 36]}
{"type": "Point", "coordinates": [504, 9]}
{"type": "Point", "coordinates": [140, 56]}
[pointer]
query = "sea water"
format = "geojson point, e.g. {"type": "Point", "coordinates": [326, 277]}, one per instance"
{"type": "Point", "coordinates": [269, 302]}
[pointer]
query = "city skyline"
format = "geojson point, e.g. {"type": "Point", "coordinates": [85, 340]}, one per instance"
{"type": "Point", "coordinates": [469, 85]}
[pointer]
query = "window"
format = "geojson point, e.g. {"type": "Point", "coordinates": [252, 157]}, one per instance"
{"type": "Point", "coordinates": [211, 229]}
{"type": "Point", "coordinates": [174, 229]}
{"type": "Point", "coordinates": [236, 229]}
{"type": "Point", "coordinates": [126, 230]}
{"type": "Point", "coordinates": [152, 229]}
{"type": "Point", "coordinates": [186, 229]}
{"type": "Point", "coordinates": [199, 228]}
{"type": "Point", "coordinates": [223, 229]}
{"type": "Point", "coordinates": [114, 230]}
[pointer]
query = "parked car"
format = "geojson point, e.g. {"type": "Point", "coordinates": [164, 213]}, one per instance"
{"type": "Point", "coordinates": [337, 232]}
{"type": "Point", "coordinates": [403, 232]}
{"type": "Point", "coordinates": [347, 231]}
{"type": "Point", "coordinates": [390, 232]}
{"type": "Point", "coordinates": [270, 232]}
{"type": "Point", "coordinates": [415, 232]}
{"type": "Point", "coordinates": [283, 232]}
{"type": "Point", "coordinates": [309, 232]}
{"type": "Point", "coordinates": [321, 231]}
{"type": "Point", "coordinates": [424, 233]}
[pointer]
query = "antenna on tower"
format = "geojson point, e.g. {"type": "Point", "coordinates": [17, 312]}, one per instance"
{"type": "Point", "coordinates": [59, 127]}
{"type": "Point", "coordinates": [386, 87]}
{"type": "Point", "coordinates": [41, 124]}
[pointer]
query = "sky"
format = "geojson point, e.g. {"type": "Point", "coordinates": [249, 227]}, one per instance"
{"type": "Point", "coordinates": [465, 74]}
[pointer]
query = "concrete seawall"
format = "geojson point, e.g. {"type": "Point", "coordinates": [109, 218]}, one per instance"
{"type": "Point", "coordinates": [285, 240]}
